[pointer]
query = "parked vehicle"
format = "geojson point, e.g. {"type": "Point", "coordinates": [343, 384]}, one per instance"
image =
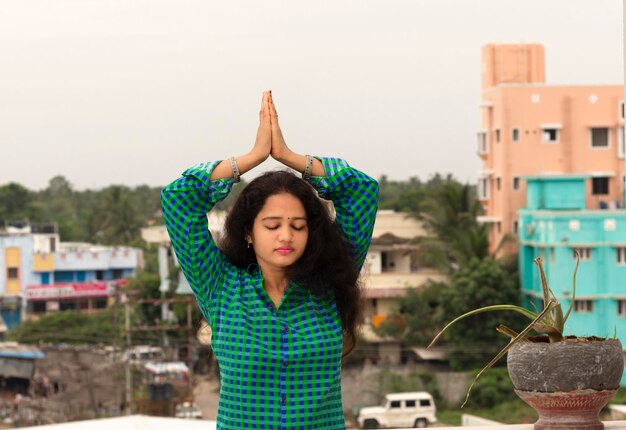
{"type": "Point", "coordinates": [415, 409]}
{"type": "Point", "coordinates": [188, 410]}
{"type": "Point", "coordinates": [141, 354]}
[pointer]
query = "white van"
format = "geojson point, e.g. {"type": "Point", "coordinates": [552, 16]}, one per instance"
{"type": "Point", "coordinates": [400, 410]}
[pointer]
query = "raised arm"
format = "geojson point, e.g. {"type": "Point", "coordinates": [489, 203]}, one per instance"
{"type": "Point", "coordinates": [188, 199]}
{"type": "Point", "coordinates": [353, 193]}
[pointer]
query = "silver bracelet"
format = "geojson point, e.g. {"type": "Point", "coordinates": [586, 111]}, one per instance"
{"type": "Point", "coordinates": [309, 166]}
{"type": "Point", "coordinates": [235, 169]}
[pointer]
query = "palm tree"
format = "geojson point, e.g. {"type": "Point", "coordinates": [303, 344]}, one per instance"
{"type": "Point", "coordinates": [449, 214]}
{"type": "Point", "coordinates": [119, 222]}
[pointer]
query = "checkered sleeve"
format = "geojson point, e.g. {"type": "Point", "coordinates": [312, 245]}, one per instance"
{"type": "Point", "coordinates": [185, 203]}
{"type": "Point", "coordinates": [355, 197]}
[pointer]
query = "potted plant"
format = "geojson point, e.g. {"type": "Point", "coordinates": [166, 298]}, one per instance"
{"type": "Point", "coordinates": [566, 379]}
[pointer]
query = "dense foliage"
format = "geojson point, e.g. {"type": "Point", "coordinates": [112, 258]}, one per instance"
{"type": "Point", "coordinates": [408, 196]}
{"type": "Point", "coordinates": [417, 319]}
{"type": "Point", "coordinates": [105, 327]}
{"type": "Point", "coordinates": [480, 283]}
{"type": "Point", "coordinates": [111, 216]}
{"type": "Point", "coordinates": [459, 246]}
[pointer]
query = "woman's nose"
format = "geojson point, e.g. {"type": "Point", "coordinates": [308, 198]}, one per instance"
{"type": "Point", "coordinates": [285, 234]}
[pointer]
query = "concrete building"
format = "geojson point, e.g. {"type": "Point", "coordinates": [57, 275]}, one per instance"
{"type": "Point", "coordinates": [79, 276]}
{"type": "Point", "coordinates": [43, 274]}
{"type": "Point", "coordinates": [554, 224]}
{"type": "Point", "coordinates": [20, 244]}
{"type": "Point", "coordinates": [391, 269]}
{"type": "Point", "coordinates": [531, 128]}
{"type": "Point", "coordinates": [17, 368]}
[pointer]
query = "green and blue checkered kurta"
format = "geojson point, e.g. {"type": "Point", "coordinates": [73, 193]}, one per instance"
{"type": "Point", "coordinates": [280, 368]}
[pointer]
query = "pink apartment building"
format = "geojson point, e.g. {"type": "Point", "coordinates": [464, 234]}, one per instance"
{"type": "Point", "coordinates": [530, 128]}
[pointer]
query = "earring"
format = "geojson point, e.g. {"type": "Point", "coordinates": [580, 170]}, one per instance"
{"type": "Point", "coordinates": [249, 245]}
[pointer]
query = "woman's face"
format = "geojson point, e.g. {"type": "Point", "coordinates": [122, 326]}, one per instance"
{"type": "Point", "coordinates": [279, 232]}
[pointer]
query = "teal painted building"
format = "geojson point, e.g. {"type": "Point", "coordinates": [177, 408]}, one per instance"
{"type": "Point", "coordinates": [554, 224]}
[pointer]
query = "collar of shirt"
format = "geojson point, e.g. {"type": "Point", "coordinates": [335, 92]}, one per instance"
{"type": "Point", "coordinates": [295, 295]}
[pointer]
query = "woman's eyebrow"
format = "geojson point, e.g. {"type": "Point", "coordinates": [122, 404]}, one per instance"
{"type": "Point", "coordinates": [281, 218]}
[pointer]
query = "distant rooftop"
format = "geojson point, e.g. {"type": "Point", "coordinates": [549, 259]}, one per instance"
{"type": "Point", "coordinates": [16, 350]}
{"type": "Point", "coordinates": [25, 227]}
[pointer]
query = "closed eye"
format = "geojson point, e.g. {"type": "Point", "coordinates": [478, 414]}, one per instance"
{"type": "Point", "coordinates": [299, 228]}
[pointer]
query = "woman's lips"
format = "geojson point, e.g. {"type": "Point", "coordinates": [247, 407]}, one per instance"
{"type": "Point", "coordinates": [284, 250]}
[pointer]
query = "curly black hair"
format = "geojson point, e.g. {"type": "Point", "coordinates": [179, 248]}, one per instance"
{"type": "Point", "coordinates": [327, 266]}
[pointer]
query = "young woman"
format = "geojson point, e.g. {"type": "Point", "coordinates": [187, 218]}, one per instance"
{"type": "Point", "coordinates": [282, 294]}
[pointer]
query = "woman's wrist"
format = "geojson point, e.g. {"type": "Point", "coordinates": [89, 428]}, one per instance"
{"type": "Point", "coordinates": [250, 160]}
{"type": "Point", "coordinates": [285, 157]}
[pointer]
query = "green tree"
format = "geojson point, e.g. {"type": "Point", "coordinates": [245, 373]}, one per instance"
{"type": "Point", "coordinates": [119, 222]}
{"type": "Point", "coordinates": [449, 213]}
{"type": "Point", "coordinates": [58, 204]}
{"type": "Point", "coordinates": [71, 327]}
{"type": "Point", "coordinates": [480, 283]}
{"type": "Point", "coordinates": [401, 196]}
{"type": "Point", "coordinates": [145, 285]}
{"type": "Point", "coordinates": [415, 321]}
{"type": "Point", "coordinates": [16, 202]}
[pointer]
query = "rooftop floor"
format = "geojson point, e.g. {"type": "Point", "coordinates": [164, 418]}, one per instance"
{"type": "Point", "coordinates": [608, 425]}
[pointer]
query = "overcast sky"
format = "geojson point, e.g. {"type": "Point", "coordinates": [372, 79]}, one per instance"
{"type": "Point", "coordinates": [133, 92]}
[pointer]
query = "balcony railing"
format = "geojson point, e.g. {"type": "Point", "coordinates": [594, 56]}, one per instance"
{"type": "Point", "coordinates": [390, 280]}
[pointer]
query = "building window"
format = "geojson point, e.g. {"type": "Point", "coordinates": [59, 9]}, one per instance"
{"type": "Point", "coordinates": [483, 188]}
{"type": "Point", "coordinates": [117, 274]}
{"type": "Point", "coordinates": [584, 253]}
{"type": "Point", "coordinates": [621, 110]}
{"type": "Point", "coordinates": [497, 135]}
{"type": "Point", "coordinates": [550, 135]}
{"type": "Point", "coordinates": [600, 186]}
{"type": "Point", "coordinates": [600, 137]}
{"type": "Point", "coordinates": [498, 182]}
{"type": "Point", "coordinates": [516, 183]}
{"type": "Point", "coordinates": [515, 226]}
{"type": "Point", "coordinates": [53, 244]}
{"type": "Point", "coordinates": [384, 261]}
{"type": "Point", "coordinates": [13, 273]}
{"type": "Point", "coordinates": [67, 306]}
{"type": "Point", "coordinates": [482, 143]}
{"type": "Point", "coordinates": [39, 307]}
{"type": "Point", "coordinates": [621, 255]}
{"type": "Point", "coordinates": [100, 304]}
{"type": "Point", "coordinates": [551, 255]}
{"type": "Point", "coordinates": [499, 227]}
{"type": "Point", "coordinates": [621, 308]}
{"type": "Point", "coordinates": [515, 135]}
{"type": "Point", "coordinates": [583, 306]}
{"type": "Point", "coordinates": [621, 147]}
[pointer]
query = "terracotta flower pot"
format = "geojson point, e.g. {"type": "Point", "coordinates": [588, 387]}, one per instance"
{"type": "Point", "coordinates": [568, 382]}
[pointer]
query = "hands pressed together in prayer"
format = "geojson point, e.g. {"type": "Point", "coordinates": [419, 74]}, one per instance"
{"type": "Point", "coordinates": [269, 138]}
{"type": "Point", "coordinates": [269, 141]}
